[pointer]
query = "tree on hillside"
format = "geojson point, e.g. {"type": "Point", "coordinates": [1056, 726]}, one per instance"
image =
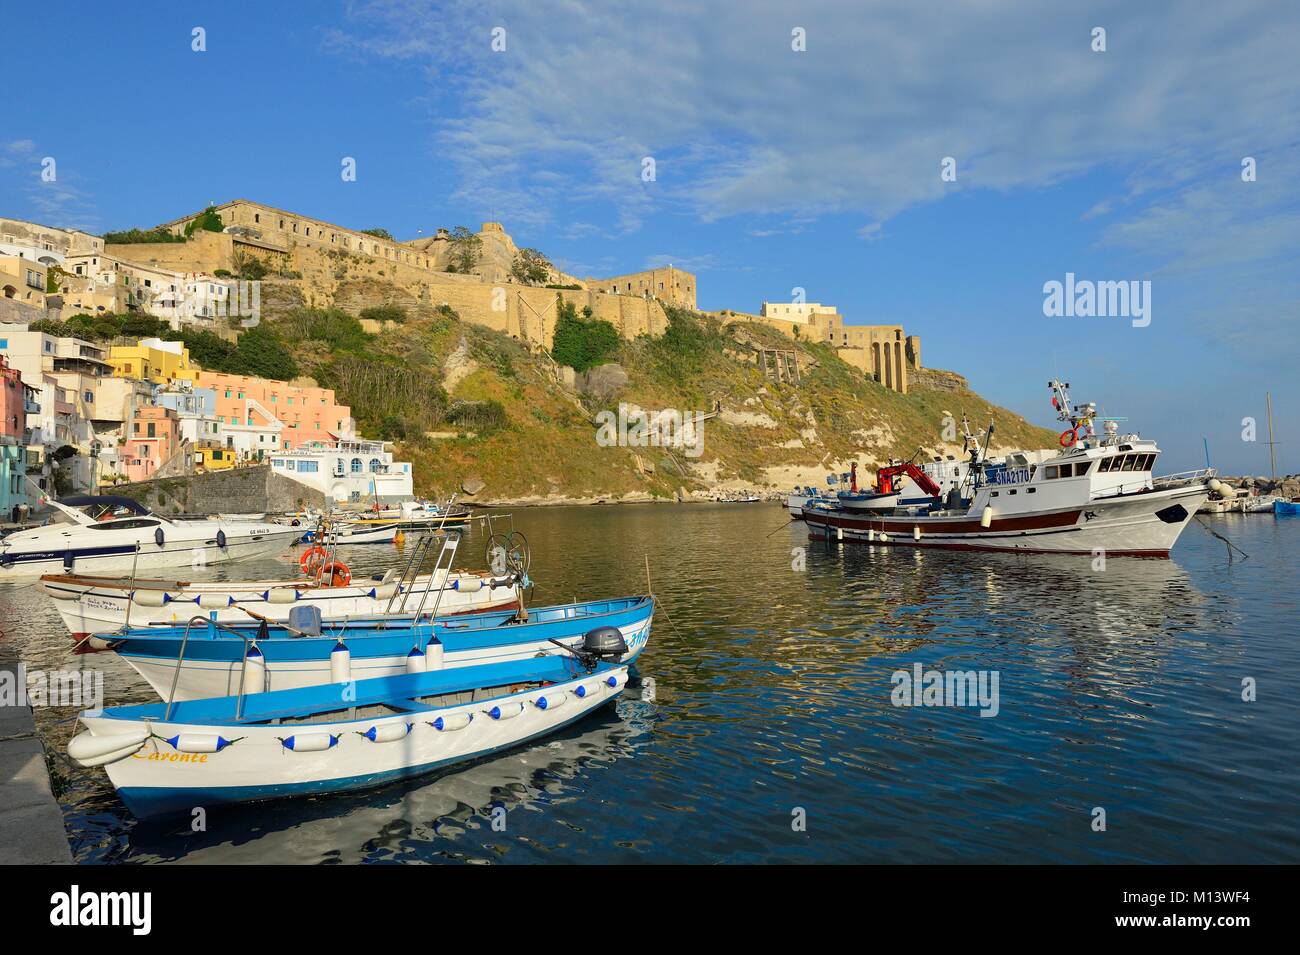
{"type": "Point", "coordinates": [260, 352]}
{"type": "Point", "coordinates": [379, 234]}
{"type": "Point", "coordinates": [466, 248]}
{"type": "Point", "coordinates": [208, 219]}
{"type": "Point", "coordinates": [135, 236]}
{"type": "Point", "coordinates": [581, 343]}
{"type": "Point", "coordinates": [530, 267]}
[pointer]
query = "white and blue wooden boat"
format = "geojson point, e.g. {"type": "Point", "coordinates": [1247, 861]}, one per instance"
{"type": "Point", "coordinates": [1284, 508]}
{"type": "Point", "coordinates": [168, 758]}
{"type": "Point", "coordinates": [363, 649]}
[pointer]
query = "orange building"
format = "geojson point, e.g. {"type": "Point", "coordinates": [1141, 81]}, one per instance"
{"type": "Point", "coordinates": [308, 414]}
{"type": "Point", "coordinates": [154, 436]}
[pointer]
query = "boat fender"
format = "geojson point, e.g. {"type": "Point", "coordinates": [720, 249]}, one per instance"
{"type": "Point", "coordinates": [62, 595]}
{"type": "Point", "coordinates": [916, 533]}
{"type": "Point", "coordinates": [309, 742]}
{"type": "Point", "coordinates": [68, 559]}
{"type": "Point", "coordinates": [221, 539]}
{"type": "Point", "coordinates": [449, 724]}
{"type": "Point", "coordinates": [415, 661]}
{"type": "Point", "coordinates": [551, 700]}
{"type": "Point", "coordinates": [340, 663]}
{"type": "Point", "coordinates": [871, 535]}
{"type": "Point", "coordinates": [213, 601]}
{"type": "Point", "coordinates": [158, 537]}
{"type": "Point", "coordinates": [91, 750]}
{"type": "Point", "coordinates": [151, 598]}
{"type": "Point", "coordinates": [505, 711]}
{"type": "Point", "coordinates": [198, 743]}
{"type": "Point", "coordinates": [254, 671]}
{"type": "Point", "coordinates": [388, 732]}
{"type": "Point", "coordinates": [884, 536]}
{"type": "Point", "coordinates": [383, 592]}
{"type": "Point", "coordinates": [281, 595]}
{"type": "Point", "coordinates": [434, 655]}
{"type": "Point", "coordinates": [584, 690]}
{"type": "Point", "coordinates": [469, 585]}
{"type": "Point", "coordinates": [986, 516]}
{"type": "Point", "coordinates": [615, 680]}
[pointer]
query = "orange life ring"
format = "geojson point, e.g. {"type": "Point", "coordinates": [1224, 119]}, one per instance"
{"type": "Point", "coordinates": [1068, 438]}
{"type": "Point", "coordinates": [337, 573]}
{"type": "Point", "coordinates": [312, 559]}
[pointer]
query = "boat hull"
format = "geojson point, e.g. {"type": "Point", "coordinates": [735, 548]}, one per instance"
{"type": "Point", "coordinates": [123, 556]}
{"type": "Point", "coordinates": [1141, 525]}
{"type": "Point", "coordinates": [159, 779]}
{"type": "Point", "coordinates": [213, 667]}
{"type": "Point", "coordinates": [105, 605]}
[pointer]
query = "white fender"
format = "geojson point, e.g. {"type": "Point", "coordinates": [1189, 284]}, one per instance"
{"type": "Point", "coordinates": [213, 601]}
{"type": "Point", "coordinates": [416, 661]}
{"type": "Point", "coordinates": [616, 680]}
{"type": "Point", "coordinates": [309, 742]}
{"type": "Point", "coordinates": [916, 533]}
{"type": "Point", "coordinates": [986, 516]}
{"type": "Point", "coordinates": [198, 743]}
{"type": "Point", "coordinates": [383, 591]}
{"type": "Point", "coordinates": [434, 655]}
{"type": "Point", "coordinates": [254, 672]}
{"type": "Point", "coordinates": [551, 700]}
{"type": "Point", "coordinates": [91, 750]}
{"type": "Point", "coordinates": [449, 724]}
{"type": "Point", "coordinates": [871, 535]}
{"type": "Point", "coordinates": [388, 732]}
{"type": "Point", "coordinates": [468, 585]}
{"type": "Point", "coordinates": [340, 663]}
{"type": "Point", "coordinates": [506, 711]}
{"type": "Point", "coordinates": [584, 690]}
{"type": "Point", "coordinates": [282, 595]}
{"type": "Point", "coordinates": [150, 598]}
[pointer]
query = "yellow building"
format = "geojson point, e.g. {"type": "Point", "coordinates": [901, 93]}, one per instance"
{"type": "Point", "coordinates": [155, 360]}
{"type": "Point", "coordinates": [213, 457]}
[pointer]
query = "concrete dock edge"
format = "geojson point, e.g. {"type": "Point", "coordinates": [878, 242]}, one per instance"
{"type": "Point", "coordinates": [31, 822]}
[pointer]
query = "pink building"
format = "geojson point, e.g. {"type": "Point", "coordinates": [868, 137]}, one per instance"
{"type": "Point", "coordinates": [13, 404]}
{"type": "Point", "coordinates": [308, 414]}
{"type": "Point", "coordinates": [154, 436]}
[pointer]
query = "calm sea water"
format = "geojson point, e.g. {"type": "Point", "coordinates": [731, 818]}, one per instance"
{"type": "Point", "coordinates": [1119, 689]}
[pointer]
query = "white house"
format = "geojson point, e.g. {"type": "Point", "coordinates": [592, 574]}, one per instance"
{"type": "Point", "coordinates": [350, 470]}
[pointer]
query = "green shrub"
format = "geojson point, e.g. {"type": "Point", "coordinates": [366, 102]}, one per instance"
{"type": "Point", "coordinates": [581, 343]}
{"type": "Point", "coordinates": [208, 219]}
{"type": "Point", "coordinates": [385, 313]}
{"type": "Point", "coordinates": [136, 236]}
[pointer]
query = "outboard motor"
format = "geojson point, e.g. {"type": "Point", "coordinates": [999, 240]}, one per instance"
{"type": "Point", "coordinates": [605, 643]}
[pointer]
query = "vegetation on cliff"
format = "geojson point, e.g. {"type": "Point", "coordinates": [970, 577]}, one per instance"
{"type": "Point", "coordinates": [464, 402]}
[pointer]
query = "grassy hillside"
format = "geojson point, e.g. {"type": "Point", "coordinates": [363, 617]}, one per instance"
{"type": "Point", "coordinates": [464, 403]}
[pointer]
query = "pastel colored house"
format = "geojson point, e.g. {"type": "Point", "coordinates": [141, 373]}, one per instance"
{"type": "Point", "coordinates": [15, 400]}
{"type": "Point", "coordinates": [153, 437]}
{"type": "Point", "coordinates": [262, 415]}
{"type": "Point", "coordinates": [153, 360]}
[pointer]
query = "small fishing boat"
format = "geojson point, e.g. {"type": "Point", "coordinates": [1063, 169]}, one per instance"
{"type": "Point", "coordinates": [353, 532]}
{"type": "Point", "coordinates": [112, 533]}
{"type": "Point", "coordinates": [1257, 503]}
{"type": "Point", "coordinates": [100, 605]}
{"type": "Point", "coordinates": [201, 658]}
{"type": "Point", "coordinates": [1284, 508]}
{"type": "Point", "coordinates": [170, 757]}
{"type": "Point", "coordinates": [1097, 495]}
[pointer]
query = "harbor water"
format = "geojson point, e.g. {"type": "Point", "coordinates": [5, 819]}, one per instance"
{"type": "Point", "coordinates": [1144, 710]}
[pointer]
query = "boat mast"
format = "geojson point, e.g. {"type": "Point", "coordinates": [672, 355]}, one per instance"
{"type": "Point", "coordinates": [1272, 455]}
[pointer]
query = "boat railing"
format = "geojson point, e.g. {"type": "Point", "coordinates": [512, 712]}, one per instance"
{"type": "Point", "coordinates": [1195, 476]}
{"type": "Point", "coordinates": [180, 660]}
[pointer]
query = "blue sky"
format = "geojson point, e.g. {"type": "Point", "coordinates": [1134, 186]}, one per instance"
{"type": "Point", "coordinates": [775, 169]}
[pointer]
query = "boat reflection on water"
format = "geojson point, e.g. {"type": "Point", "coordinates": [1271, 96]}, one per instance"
{"type": "Point", "coordinates": [915, 593]}
{"type": "Point", "coordinates": [449, 817]}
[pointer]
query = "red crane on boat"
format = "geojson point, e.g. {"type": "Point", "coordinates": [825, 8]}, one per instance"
{"type": "Point", "coordinates": [885, 478]}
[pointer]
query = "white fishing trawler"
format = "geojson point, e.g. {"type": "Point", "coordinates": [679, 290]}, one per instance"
{"type": "Point", "coordinates": [1097, 494]}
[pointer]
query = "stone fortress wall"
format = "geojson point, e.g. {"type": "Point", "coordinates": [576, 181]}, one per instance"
{"type": "Point", "coordinates": [327, 256]}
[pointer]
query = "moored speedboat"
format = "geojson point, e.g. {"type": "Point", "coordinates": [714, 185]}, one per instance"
{"type": "Point", "coordinates": [1097, 495]}
{"type": "Point", "coordinates": [109, 533]}
{"type": "Point", "coordinates": [165, 758]}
